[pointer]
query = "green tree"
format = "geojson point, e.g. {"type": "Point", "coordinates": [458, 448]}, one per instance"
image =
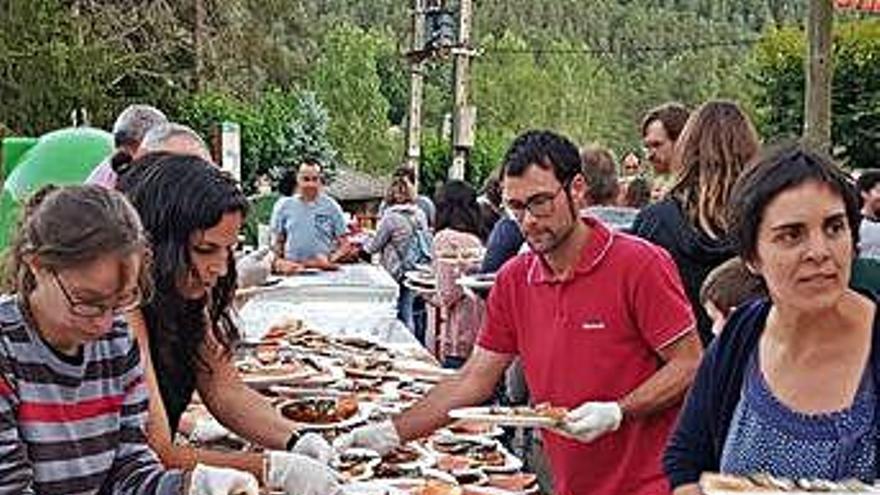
{"type": "Point", "coordinates": [779, 74]}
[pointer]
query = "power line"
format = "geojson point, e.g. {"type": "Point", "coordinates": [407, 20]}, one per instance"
{"type": "Point", "coordinates": [620, 49]}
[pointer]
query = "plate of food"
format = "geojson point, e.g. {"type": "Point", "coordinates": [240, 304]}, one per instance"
{"type": "Point", "coordinates": [542, 415]}
{"type": "Point", "coordinates": [729, 484]}
{"type": "Point", "coordinates": [370, 367]}
{"type": "Point", "coordinates": [318, 413]}
{"type": "Point", "coordinates": [356, 464]}
{"type": "Point", "coordinates": [259, 374]}
{"type": "Point", "coordinates": [473, 428]}
{"type": "Point", "coordinates": [410, 456]}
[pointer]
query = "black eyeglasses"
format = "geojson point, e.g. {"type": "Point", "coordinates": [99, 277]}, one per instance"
{"type": "Point", "coordinates": [539, 205]}
{"type": "Point", "coordinates": [92, 310]}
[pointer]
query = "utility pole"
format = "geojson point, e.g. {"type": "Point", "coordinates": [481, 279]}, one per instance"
{"type": "Point", "coordinates": [463, 115]}
{"type": "Point", "coordinates": [416, 86]}
{"type": "Point", "coordinates": [817, 100]}
{"type": "Point", "coordinates": [199, 42]}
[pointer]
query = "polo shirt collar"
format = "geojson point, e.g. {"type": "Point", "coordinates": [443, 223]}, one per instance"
{"type": "Point", "coordinates": [594, 251]}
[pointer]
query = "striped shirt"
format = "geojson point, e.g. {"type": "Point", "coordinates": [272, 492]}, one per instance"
{"type": "Point", "coordinates": [74, 428]}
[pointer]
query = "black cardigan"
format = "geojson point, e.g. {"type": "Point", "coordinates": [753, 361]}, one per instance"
{"type": "Point", "coordinates": [697, 442]}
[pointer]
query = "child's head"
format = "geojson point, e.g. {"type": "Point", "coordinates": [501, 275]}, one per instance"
{"type": "Point", "coordinates": [728, 286]}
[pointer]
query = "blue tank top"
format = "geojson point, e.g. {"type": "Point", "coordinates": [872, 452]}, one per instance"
{"type": "Point", "coordinates": [768, 437]}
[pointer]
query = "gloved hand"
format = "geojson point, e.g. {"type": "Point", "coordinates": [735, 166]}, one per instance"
{"type": "Point", "coordinates": [209, 480]}
{"type": "Point", "coordinates": [208, 430]}
{"type": "Point", "coordinates": [381, 437]}
{"type": "Point", "coordinates": [297, 474]}
{"type": "Point", "coordinates": [254, 268]}
{"type": "Point", "coordinates": [591, 420]}
{"type": "Point", "coordinates": [314, 446]}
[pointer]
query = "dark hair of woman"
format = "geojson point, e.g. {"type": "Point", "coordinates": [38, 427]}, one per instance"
{"type": "Point", "coordinates": [72, 226]}
{"type": "Point", "coordinates": [177, 196]}
{"type": "Point", "coordinates": [777, 170]}
{"type": "Point", "coordinates": [120, 161]}
{"type": "Point", "coordinates": [457, 208]}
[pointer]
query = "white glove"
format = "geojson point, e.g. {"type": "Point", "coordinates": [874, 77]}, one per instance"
{"type": "Point", "coordinates": [208, 430]}
{"type": "Point", "coordinates": [314, 446]}
{"type": "Point", "coordinates": [254, 268]}
{"type": "Point", "coordinates": [297, 474]}
{"type": "Point", "coordinates": [208, 480]}
{"type": "Point", "coordinates": [381, 437]}
{"type": "Point", "coordinates": [591, 420]}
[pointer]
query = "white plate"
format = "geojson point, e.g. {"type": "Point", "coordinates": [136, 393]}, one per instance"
{"type": "Point", "coordinates": [312, 377]}
{"type": "Point", "coordinates": [486, 415]}
{"type": "Point", "coordinates": [480, 282]}
{"type": "Point", "coordinates": [420, 278]}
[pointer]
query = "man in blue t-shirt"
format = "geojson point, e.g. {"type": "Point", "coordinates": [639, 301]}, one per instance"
{"type": "Point", "coordinates": [308, 226]}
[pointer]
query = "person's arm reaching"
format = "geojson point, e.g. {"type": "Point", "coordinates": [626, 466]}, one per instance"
{"type": "Point", "coordinates": [237, 406]}
{"type": "Point", "coordinates": [473, 384]}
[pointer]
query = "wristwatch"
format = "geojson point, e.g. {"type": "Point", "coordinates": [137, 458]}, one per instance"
{"type": "Point", "coordinates": [294, 438]}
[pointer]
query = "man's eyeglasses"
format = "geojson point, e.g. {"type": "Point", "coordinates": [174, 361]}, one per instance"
{"type": "Point", "coordinates": [538, 205]}
{"type": "Point", "coordinates": [92, 310]}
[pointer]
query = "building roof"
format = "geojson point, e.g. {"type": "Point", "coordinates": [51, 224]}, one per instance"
{"type": "Point", "coordinates": [353, 185]}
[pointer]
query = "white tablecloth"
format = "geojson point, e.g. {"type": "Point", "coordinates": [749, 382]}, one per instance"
{"type": "Point", "coordinates": [358, 300]}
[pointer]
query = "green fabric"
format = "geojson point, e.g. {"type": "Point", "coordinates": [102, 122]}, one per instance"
{"type": "Point", "coordinates": [866, 274]}
{"type": "Point", "coordinates": [260, 213]}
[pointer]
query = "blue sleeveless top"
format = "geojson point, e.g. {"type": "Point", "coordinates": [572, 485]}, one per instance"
{"type": "Point", "coordinates": [768, 437]}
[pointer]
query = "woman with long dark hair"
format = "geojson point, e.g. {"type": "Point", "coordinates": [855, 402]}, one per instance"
{"type": "Point", "coordinates": [193, 213]}
{"type": "Point", "coordinates": [72, 392]}
{"type": "Point", "coordinates": [457, 250]}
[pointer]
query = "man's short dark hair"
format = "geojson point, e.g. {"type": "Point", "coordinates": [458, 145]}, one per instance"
{"type": "Point", "coordinates": [777, 170]}
{"type": "Point", "coordinates": [868, 179]}
{"type": "Point", "coordinates": [601, 174]}
{"type": "Point", "coordinates": [545, 149]}
{"type": "Point", "coordinates": [672, 115]}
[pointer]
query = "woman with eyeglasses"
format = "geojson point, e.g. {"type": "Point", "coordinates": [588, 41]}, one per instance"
{"type": "Point", "coordinates": [72, 395]}
{"type": "Point", "coordinates": [193, 212]}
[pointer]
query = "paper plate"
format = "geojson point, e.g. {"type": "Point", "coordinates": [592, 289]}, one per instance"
{"type": "Point", "coordinates": [502, 416]}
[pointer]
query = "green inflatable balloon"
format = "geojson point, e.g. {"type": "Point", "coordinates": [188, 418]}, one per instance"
{"type": "Point", "coordinates": [65, 156]}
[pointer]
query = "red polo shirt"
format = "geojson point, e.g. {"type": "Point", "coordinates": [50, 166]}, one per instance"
{"type": "Point", "coordinates": [594, 338]}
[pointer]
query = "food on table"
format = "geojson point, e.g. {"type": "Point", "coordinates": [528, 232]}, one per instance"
{"type": "Point", "coordinates": [713, 482]}
{"type": "Point", "coordinates": [455, 444]}
{"type": "Point", "coordinates": [267, 353]}
{"type": "Point", "coordinates": [471, 428]}
{"type": "Point", "coordinates": [454, 463]}
{"type": "Point", "coordinates": [435, 487]}
{"type": "Point", "coordinates": [320, 410]}
{"type": "Point", "coordinates": [390, 470]}
{"type": "Point", "coordinates": [519, 482]}
{"type": "Point", "coordinates": [470, 477]}
{"type": "Point", "coordinates": [487, 455]}
{"type": "Point", "coordinates": [402, 455]}
{"type": "Point", "coordinates": [356, 464]}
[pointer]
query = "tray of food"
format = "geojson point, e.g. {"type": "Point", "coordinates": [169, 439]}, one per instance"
{"type": "Point", "coordinates": [542, 415]}
{"type": "Point", "coordinates": [765, 484]}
